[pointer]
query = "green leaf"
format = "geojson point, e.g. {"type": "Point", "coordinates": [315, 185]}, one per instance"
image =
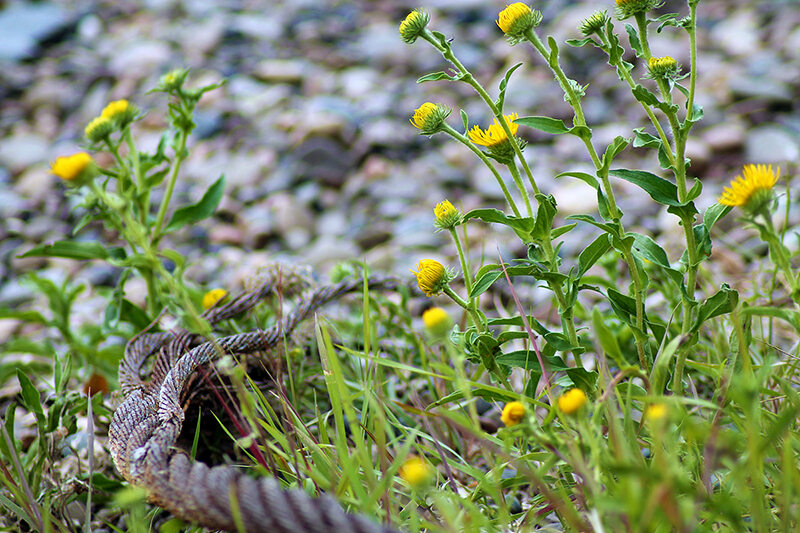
{"type": "Point", "coordinates": [592, 253]}
{"type": "Point", "coordinates": [521, 226]}
{"type": "Point", "coordinates": [29, 315]}
{"type": "Point", "coordinates": [583, 176]}
{"type": "Point", "coordinates": [527, 359]}
{"type": "Point", "coordinates": [607, 339]}
{"type": "Point", "coordinates": [659, 189]}
{"type": "Point", "coordinates": [695, 191]}
{"type": "Point", "coordinates": [648, 249]}
{"type": "Point", "coordinates": [578, 43]}
{"type": "Point", "coordinates": [624, 306]}
{"type": "Point", "coordinates": [483, 283]}
{"type": "Point", "coordinates": [633, 37]}
{"type": "Point", "coordinates": [617, 145]}
{"type": "Point", "coordinates": [584, 380]}
{"type": "Point", "coordinates": [75, 250]}
{"type": "Point", "coordinates": [644, 139]}
{"type": "Point", "coordinates": [63, 371]}
{"type": "Point", "coordinates": [544, 217]}
{"type": "Point", "coordinates": [465, 119]}
{"type": "Point", "coordinates": [504, 85]}
{"type": "Point", "coordinates": [644, 96]}
{"type": "Point", "coordinates": [714, 213]}
{"type": "Point", "coordinates": [545, 124]}
{"type": "Point", "coordinates": [612, 228]}
{"type": "Point", "coordinates": [722, 302]}
{"type": "Point", "coordinates": [133, 315]}
{"type": "Point", "coordinates": [203, 209]}
{"type": "Point", "coordinates": [30, 396]}
{"type": "Point", "coordinates": [436, 76]}
{"type": "Point", "coordinates": [558, 232]}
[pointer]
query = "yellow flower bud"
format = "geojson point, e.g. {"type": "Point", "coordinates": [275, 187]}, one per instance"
{"type": "Point", "coordinates": [447, 216]}
{"type": "Point", "coordinates": [416, 472]}
{"type": "Point", "coordinates": [121, 112]}
{"type": "Point", "coordinates": [571, 401]}
{"type": "Point", "coordinates": [494, 137]}
{"type": "Point", "coordinates": [99, 129]}
{"type": "Point", "coordinates": [662, 67]}
{"type": "Point", "coordinates": [429, 118]}
{"type": "Point", "coordinates": [594, 23]}
{"type": "Point", "coordinates": [516, 20]}
{"type": "Point", "coordinates": [212, 297]}
{"type": "Point", "coordinates": [431, 276]}
{"type": "Point", "coordinates": [513, 413]}
{"type": "Point", "coordinates": [74, 169]}
{"type": "Point", "coordinates": [629, 8]}
{"type": "Point", "coordinates": [437, 321]}
{"type": "Point", "coordinates": [413, 25]}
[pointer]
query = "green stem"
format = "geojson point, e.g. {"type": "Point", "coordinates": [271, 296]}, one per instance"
{"type": "Point", "coordinates": [692, 29]}
{"type": "Point", "coordinates": [180, 154]}
{"type": "Point", "coordinates": [512, 167]}
{"type": "Point", "coordinates": [463, 140]}
{"type": "Point", "coordinates": [467, 77]}
{"type": "Point", "coordinates": [463, 259]}
{"type": "Point", "coordinates": [641, 23]}
{"type": "Point", "coordinates": [781, 258]}
{"type": "Point", "coordinates": [473, 312]}
{"type": "Point", "coordinates": [133, 155]}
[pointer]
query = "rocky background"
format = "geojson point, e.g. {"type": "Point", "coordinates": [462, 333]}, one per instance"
{"type": "Point", "coordinates": [312, 127]}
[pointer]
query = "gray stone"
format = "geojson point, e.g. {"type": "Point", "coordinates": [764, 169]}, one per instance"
{"type": "Point", "coordinates": [726, 136]}
{"type": "Point", "coordinates": [771, 144]}
{"type": "Point", "coordinates": [24, 24]}
{"type": "Point", "coordinates": [23, 150]}
{"type": "Point", "coordinates": [138, 58]}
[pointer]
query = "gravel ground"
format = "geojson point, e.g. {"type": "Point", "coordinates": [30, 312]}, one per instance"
{"type": "Point", "coordinates": [312, 128]}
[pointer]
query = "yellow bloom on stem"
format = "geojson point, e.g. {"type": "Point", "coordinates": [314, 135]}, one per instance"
{"type": "Point", "coordinates": [73, 168]}
{"type": "Point", "coordinates": [447, 216]}
{"type": "Point", "coordinates": [429, 118]}
{"type": "Point", "coordinates": [494, 136]}
{"type": "Point", "coordinates": [413, 25]}
{"type": "Point", "coordinates": [115, 108]}
{"type": "Point", "coordinates": [662, 67]}
{"type": "Point", "coordinates": [656, 412]}
{"type": "Point", "coordinates": [516, 20]}
{"type": "Point", "coordinates": [437, 321]}
{"type": "Point", "coordinates": [594, 23]}
{"type": "Point", "coordinates": [416, 472]}
{"type": "Point", "coordinates": [98, 129]}
{"type": "Point", "coordinates": [432, 277]}
{"type": "Point", "coordinates": [571, 401]}
{"type": "Point", "coordinates": [212, 297]}
{"type": "Point", "coordinates": [513, 413]}
{"type": "Point", "coordinates": [752, 190]}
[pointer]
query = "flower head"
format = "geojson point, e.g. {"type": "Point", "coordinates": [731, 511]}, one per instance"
{"type": "Point", "coordinates": [629, 8]}
{"type": "Point", "coordinates": [513, 413]}
{"type": "Point", "coordinates": [429, 118]}
{"type": "Point", "coordinates": [437, 321]}
{"type": "Point", "coordinates": [594, 23]}
{"type": "Point", "coordinates": [494, 137]}
{"type": "Point", "coordinates": [173, 80]}
{"type": "Point", "coordinates": [98, 129]}
{"type": "Point", "coordinates": [661, 68]}
{"type": "Point", "coordinates": [413, 25]}
{"type": "Point", "coordinates": [212, 297]}
{"type": "Point", "coordinates": [516, 20]}
{"type": "Point", "coordinates": [656, 412]}
{"type": "Point", "coordinates": [752, 190]}
{"type": "Point", "coordinates": [432, 276]}
{"type": "Point", "coordinates": [74, 169]}
{"type": "Point", "coordinates": [571, 401]}
{"type": "Point", "coordinates": [416, 472]}
{"type": "Point", "coordinates": [447, 216]}
{"type": "Point", "coordinates": [121, 112]}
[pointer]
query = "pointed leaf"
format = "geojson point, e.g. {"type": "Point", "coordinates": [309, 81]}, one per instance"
{"type": "Point", "coordinates": [203, 209]}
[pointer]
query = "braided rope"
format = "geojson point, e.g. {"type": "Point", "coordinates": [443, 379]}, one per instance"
{"type": "Point", "coordinates": [146, 426]}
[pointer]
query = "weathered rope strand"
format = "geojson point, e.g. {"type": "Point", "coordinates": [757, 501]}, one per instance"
{"type": "Point", "coordinates": [146, 426]}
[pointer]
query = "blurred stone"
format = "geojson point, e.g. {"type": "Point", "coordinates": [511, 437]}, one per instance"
{"type": "Point", "coordinates": [771, 144]}
{"type": "Point", "coordinates": [138, 58]}
{"type": "Point", "coordinates": [23, 150]}
{"type": "Point", "coordinates": [737, 34]}
{"type": "Point", "coordinates": [24, 24]}
{"type": "Point", "coordinates": [282, 70]}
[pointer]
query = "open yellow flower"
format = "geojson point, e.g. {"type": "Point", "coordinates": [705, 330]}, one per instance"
{"type": "Point", "coordinates": [752, 190]}
{"type": "Point", "coordinates": [513, 413]}
{"type": "Point", "coordinates": [73, 168]}
{"type": "Point", "coordinates": [494, 136]}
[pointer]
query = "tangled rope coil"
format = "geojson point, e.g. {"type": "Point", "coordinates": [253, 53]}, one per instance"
{"type": "Point", "coordinates": [146, 426]}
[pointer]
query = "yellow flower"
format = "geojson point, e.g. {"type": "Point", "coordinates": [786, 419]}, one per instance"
{"type": "Point", "coordinates": [416, 472]}
{"type": "Point", "coordinates": [571, 401]}
{"type": "Point", "coordinates": [429, 118]}
{"type": "Point", "coordinates": [752, 190]}
{"type": "Point", "coordinates": [516, 20]}
{"type": "Point", "coordinates": [98, 129]}
{"type": "Point", "coordinates": [594, 23]}
{"type": "Point", "coordinates": [447, 216]}
{"type": "Point", "coordinates": [212, 297]}
{"type": "Point", "coordinates": [494, 136]}
{"type": "Point", "coordinates": [121, 112]}
{"type": "Point", "coordinates": [513, 413]}
{"type": "Point", "coordinates": [432, 277]}
{"type": "Point", "coordinates": [413, 25]}
{"type": "Point", "coordinates": [662, 67]}
{"type": "Point", "coordinates": [437, 321]}
{"type": "Point", "coordinates": [656, 412]}
{"type": "Point", "coordinates": [173, 80]}
{"type": "Point", "coordinates": [628, 8]}
{"type": "Point", "coordinates": [73, 168]}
